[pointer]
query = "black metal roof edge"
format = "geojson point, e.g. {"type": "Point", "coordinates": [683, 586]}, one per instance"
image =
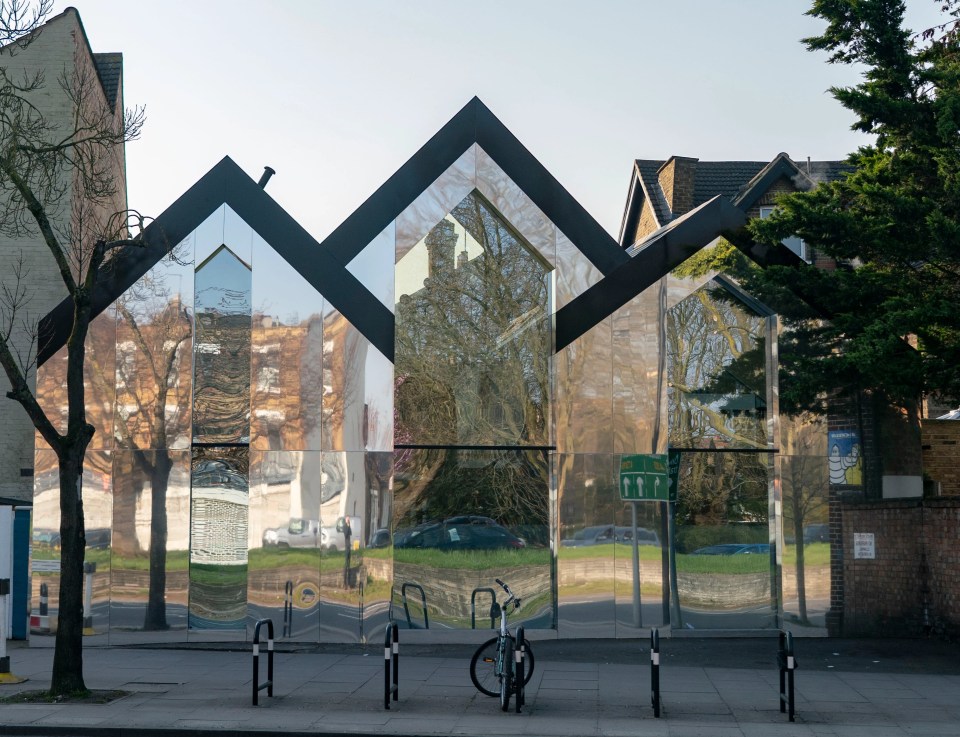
{"type": "Point", "coordinates": [121, 272]}
{"type": "Point", "coordinates": [405, 185]}
{"type": "Point", "coordinates": [546, 192]}
{"type": "Point", "coordinates": [474, 123]}
{"type": "Point", "coordinates": [228, 183]}
{"type": "Point", "coordinates": [781, 166]}
{"type": "Point", "coordinates": [672, 245]}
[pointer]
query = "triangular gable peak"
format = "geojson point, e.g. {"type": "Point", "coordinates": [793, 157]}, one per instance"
{"type": "Point", "coordinates": [472, 132]}
{"type": "Point", "coordinates": [227, 184]}
{"type": "Point", "coordinates": [782, 166]}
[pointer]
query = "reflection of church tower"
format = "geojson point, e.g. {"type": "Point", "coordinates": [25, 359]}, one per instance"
{"type": "Point", "coordinates": [441, 245]}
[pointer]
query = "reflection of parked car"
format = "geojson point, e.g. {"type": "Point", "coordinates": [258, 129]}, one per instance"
{"type": "Point", "coordinates": [309, 533]}
{"type": "Point", "coordinates": [735, 549]}
{"type": "Point", "coordinates": [467, 532]}
{"type": "Point", "coordinates": [380, 538]}
{"type": "Point", "coordinates": [644, 536]}
{"type": "Point", "coordinates": [598, 535]}
{"type": "Point", "coordinates": [97, 539]}
{"type": "Point", "coordinates": [46, 538]}
{"type": "Point", "coordinates": [816, 534]}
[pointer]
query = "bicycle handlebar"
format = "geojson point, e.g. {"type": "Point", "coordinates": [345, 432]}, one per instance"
{"type": "Point", "coordinates": [515, 600]}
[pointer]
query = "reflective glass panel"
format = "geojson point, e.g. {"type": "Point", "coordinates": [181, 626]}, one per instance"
{"type": "Point", "coordinates": [154, 358]}
{"type": "Point", "coordinates": [285, 541]}
{"type": "Point", "coordinates": [221, 395]}
{"type": "Point", "coordinates": [218, 537]}
{"type": "Point", "coordinates": [805, 481]}
{"type": "Point", "coordinates": [348, 399]}
{"type": "Point", "coordinates": [472, 335]}
{"type": "Point", "coordinates": [97, 488]}
{"type": "Point", "coordinates": [586, 557]}
{"type": "Point", "coordinates": [461, 519]}
{"type": "Point", "coordinates": [151, 536]}
{"type": "Point", "coordinates": [717, 388]}
{"type": "Point", "coordinates": [584, 407]}
{"type": "Point", "coordinates": [716, 373]}
{"type": "Point", "coordinates": [286, 355]}
{"type": "Point", "coordinates": [99, 386]}
{"type": "Point", "coordinates": [642, 567]}
{"type": "Point", "coordinates": [639, 382]}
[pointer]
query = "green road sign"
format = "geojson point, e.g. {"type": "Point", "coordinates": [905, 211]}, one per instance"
{"type": "Point", "coordinates": [644, 478]}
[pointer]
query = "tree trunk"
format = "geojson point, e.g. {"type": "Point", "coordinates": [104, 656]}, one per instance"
{"type": "Point", "coordinates": [67, 676]}
{"type": "Point", "coordinates": [156, 614]}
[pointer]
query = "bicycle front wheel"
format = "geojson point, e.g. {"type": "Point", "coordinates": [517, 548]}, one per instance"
{"type": "Point", "coordinates": [506, 677]}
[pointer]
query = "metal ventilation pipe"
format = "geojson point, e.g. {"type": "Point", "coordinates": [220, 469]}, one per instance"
{"type": "Point", "coordinates": [265, 177]}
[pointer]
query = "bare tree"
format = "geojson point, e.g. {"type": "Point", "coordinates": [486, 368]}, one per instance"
{"type": "Point", "coordinates": [60, 181]}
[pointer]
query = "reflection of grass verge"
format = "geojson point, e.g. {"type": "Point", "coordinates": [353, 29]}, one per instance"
{"type": "Point", "coordinates": [474, 560]}
{"type": "Point", "coordinates": [532, 607]}
{"type": "Point", "coordinates": [77, 697]}
{"type": "Point", "coordinates": [177, 560]}
{"type": "Point", "coordinates": [723, 564]}
{"type": "Point", "coordinates": [620, 552]}
{"type": "Point", "coordinates": [814, 554]}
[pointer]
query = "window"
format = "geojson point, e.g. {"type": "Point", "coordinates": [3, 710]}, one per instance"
{"type": "Point", "coordinates": [793, 243]}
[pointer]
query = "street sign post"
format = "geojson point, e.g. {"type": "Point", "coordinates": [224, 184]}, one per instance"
{"type": "Point", "coordinates": [645, 478]}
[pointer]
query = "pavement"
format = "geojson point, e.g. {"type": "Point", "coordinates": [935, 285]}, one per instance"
{"type": "Point", "coordinates": [714, 687]}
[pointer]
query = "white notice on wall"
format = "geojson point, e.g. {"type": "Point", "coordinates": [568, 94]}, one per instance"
{"type": "Point", "coordinates": [863, 546]}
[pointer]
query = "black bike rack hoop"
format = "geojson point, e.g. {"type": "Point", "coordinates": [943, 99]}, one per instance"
{"type": "Point", "coordinates": [655, 671]}
{"type": "Point", "coordinates": [267, 684]}
{"type": "Point", "coordinates": [391, 654]}
{"type": "Point", "coordinates": [788, 664]}
{"type": "Point", "coordinates": [473, 606]}
{"type": "Point", "coordinates": [423, 600]}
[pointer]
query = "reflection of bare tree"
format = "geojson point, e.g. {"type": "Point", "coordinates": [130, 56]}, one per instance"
{"type": "Point", "coordinates": [152, 327]}
{"type": "Point", "coordinates": [473, 344]}
{"type": "Point", "coordinates": [472, 369]}
{"type": "Point", "coordinates": [716, 401]}
{"type": "Point", "coordinates": [805, 479]}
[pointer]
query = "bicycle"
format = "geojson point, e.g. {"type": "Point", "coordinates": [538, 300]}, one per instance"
{"type": "Point", "coordinates": [493, 662]}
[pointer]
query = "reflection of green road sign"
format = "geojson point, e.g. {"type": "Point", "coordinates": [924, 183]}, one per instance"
{"type": "Point", "coordinates": [644, 478]}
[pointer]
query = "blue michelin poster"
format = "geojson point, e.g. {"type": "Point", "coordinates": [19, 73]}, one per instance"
{"type": "Point", "coordinates": [845, 458]}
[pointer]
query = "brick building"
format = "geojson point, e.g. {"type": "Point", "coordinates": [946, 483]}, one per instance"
{"type": "Point", "coordinates": [60, 51]}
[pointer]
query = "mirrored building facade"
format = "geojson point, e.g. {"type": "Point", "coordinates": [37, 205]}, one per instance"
{"type": "Point", "coordinates": [376, 427]}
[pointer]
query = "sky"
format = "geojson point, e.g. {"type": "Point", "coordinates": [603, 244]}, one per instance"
{"type": "Point", "coordinates": [336, 95]}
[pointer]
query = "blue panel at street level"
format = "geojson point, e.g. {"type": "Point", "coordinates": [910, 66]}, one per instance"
{"type": "Point", "coordinates": [644, 478]}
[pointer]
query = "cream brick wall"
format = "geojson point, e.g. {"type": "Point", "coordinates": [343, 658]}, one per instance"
{"type": "Point", "coordinates": [57, 49]}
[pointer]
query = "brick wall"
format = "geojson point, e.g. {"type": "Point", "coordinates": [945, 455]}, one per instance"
{"type": "Point", "coordinates": [941, 456]}
{"type": "Point", "coordinates": [912, 586]}
{"type": "Point", "coordinates": [59, 50]}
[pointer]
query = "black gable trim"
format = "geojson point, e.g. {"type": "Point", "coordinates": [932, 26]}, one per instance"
{"type": "Point", "coordinates": [474, 124]}
{"type": "Point", "coordinates": [227, 183]}
{"type": "Point", "coordinates": [663, 251]}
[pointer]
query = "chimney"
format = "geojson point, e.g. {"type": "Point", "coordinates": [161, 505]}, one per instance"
{"type": "Point", "coordinates": [677, 177]}
{"type": "Point", "coordinates": [441, 246]}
